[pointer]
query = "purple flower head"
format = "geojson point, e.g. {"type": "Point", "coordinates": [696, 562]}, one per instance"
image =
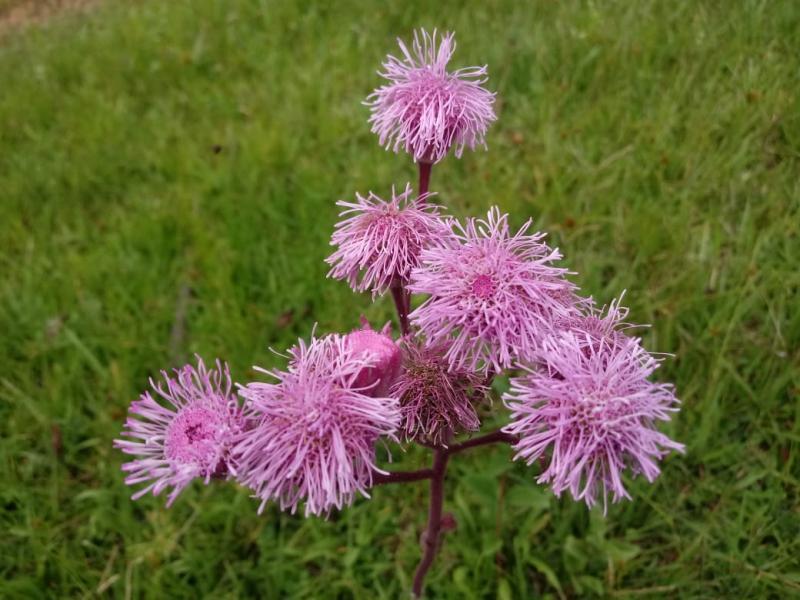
{"type": "Point", "coordinates": [379, 242]}
{"type": "Point", "coordinates": [494, 296]}
{"type": "Point", "coordinates": [316, 429]}
{"type": "Point", "coordinates": [384, 356]}
{"type": "Point", "coordinates": [189, 438]}
{"type": "Point", "coordinates": [436, 402]}
{"type": "Point", "coordinates": [424, 109]}
{"type": "Point", "coordinates": [594, 411]}
{"type": "Point", "coordinates": [594, 326]}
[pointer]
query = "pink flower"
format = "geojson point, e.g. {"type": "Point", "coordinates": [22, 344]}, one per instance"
{"type": "Point", "coordinates": [436, 402]}
{"type": "Point", "coordinates": [190, 438]}
{"type": "Point", "coordinates": [383, 354]}
{"type": "Point", "coordinates": [593, 410]}
{"type": "Point", "coordinates": [593, 326]}
{"type": "Point", "coordinates": [380, 242]}
{"type": "Point", "coordinates": [424, 109]}
{"type": "Point", "coordinates": [316, 429]}
{"type": "Point", "coordinates": [493, 296]}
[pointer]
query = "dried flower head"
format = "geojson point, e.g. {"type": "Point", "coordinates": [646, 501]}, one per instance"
{"type": "Point", "coordinates": [189, 438]}
{"type": "Point", "coordinates": [493, 296]}
{"type": "Point", "coordinates": [380, 242]}
{"type": "Point", "coordinates": [593, 409]}
{"type": "Point", "coordinates": [436, 403]}
{"type": "Point", "coordinates": [424, 109]}
{"type": "Point", "coordinates": [316, 429]}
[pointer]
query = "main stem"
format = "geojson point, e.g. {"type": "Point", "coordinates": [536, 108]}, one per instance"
{"type": "Point", "coordinates": [402, 298]}
{"type": "Point", "coordinates": [401, 303]}
{"type": "Point", "coordinates": [430, 539]}
{"type": "Point", "coordinates": [424, 178]}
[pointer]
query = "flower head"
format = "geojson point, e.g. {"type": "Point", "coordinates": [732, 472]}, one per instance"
{"type": "Point", "coordinates": [189, 438]}
{"type": "Point", "coordinates": [494, 296]}
{"type": "Point", "coordinates": [436, 402]}
{"type": "Point", "coordinates": [316, 429]}
{"type": "Point", "coordinates": [594, 326]}
{"type": "Point", "coordinates": [424, 109]}
{"type": "Point", "coordinates": [594, 411]}
{"type": "Point", "coordinates": [384, 356]}
{"type": "Point", "coordinates": [379, 242]}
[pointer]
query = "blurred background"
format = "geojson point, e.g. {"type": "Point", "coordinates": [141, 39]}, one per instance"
{"type": "Point", "coordinates": [168, 173]}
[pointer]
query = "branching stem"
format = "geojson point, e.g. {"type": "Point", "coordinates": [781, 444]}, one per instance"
{"type": "Point", "coordinates": [431, 538]}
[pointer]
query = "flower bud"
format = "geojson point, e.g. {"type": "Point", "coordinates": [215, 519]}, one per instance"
{"type": "Point", "coordinates": [379, 377]}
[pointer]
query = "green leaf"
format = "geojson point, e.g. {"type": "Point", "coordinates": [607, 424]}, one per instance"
{"type": "Point", "coordinates": [548, 573]}
{"type": "Point", "coordinates": [620, 550]}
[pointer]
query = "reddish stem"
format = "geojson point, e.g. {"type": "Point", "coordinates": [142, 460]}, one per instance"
{"type": "Point", "coordinates": [489, 438]}
{"type": "Point", "coordinates": [430, 539]}
{"type": "Point", "coordinates": [401, 476]}
{"type": "Point", "coordinates": [424, 179]}
{"type": "Point", "coordinates": [401, 304]}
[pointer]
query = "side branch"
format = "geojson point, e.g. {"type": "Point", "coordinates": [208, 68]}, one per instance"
{"type": "Point", "coordinates": [401, 476]}
{"type": "Point", "coordinates": [489, 438]}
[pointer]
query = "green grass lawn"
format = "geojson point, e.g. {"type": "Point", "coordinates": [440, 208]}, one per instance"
{"type": "Point", "coordinates": [181, 160]}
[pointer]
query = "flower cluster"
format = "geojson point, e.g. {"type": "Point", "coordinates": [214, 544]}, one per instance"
{"type": "Point", "coordinates": [582, 400]}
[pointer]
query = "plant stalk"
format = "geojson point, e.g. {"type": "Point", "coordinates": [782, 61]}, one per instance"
{"type": "Point", "coordinates": [401, 476]}
{"type": "Point", "coordinates": [424, 179]}
{"type": "Point", "coordinates": [401, 303]}
{"type": "Point", "coordinates": [431, 537]}
{"type": "Point", "coordinates": [482, 440]}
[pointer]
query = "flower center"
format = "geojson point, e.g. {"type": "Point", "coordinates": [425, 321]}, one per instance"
{"type": "Point", "coordinates": [426, 375]}
{"type": "Point", "coordinates": [598, 414]}
{"type": "Point", "coordinates": [195, 433]}
{"type": "Point", "coordinates": [192, 437]}
{"type": "Point", "coordinates": [483, 286]}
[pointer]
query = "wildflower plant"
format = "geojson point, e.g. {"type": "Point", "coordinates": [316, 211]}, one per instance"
{"type": "Point", "coordinates": [583, 408]}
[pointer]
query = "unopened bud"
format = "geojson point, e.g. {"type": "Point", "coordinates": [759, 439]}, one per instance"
{"type": "Point", "coordinates": [386, 364]}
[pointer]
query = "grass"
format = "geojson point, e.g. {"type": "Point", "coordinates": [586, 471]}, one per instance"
{"type": "Point", "coordinates": [162, 158]}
